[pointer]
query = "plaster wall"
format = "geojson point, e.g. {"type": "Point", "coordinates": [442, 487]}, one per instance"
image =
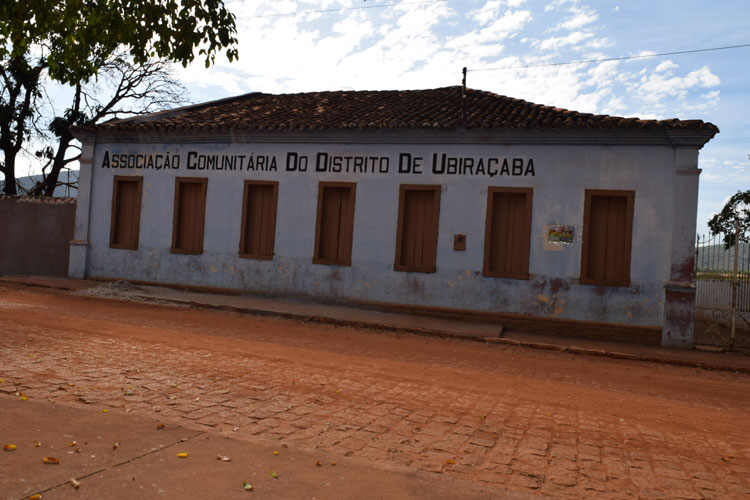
{"type": "Point", "coordinates": [561, 175]}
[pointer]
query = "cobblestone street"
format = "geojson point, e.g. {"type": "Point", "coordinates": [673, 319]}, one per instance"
{"type": "Point", "coordinates": [542, 422]}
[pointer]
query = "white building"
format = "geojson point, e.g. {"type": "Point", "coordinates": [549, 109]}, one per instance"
{"type": "Point", "coordinates": [535, 216]}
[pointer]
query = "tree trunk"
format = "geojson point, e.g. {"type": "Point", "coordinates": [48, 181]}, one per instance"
{"type": "Point", "coordinates": [10, 175]}
{"type": "Point", "coordinates": [50, 183]}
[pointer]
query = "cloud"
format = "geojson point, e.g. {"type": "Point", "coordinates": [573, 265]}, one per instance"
{"type": "Point", "coordinates": [665, 66]}
{"type": "Point", "coordinates": [492, 9]}
{"type": "Point", "coordinates": [425, 45]}
{"type": "Point", "coordinates": [507, 26]}
{"type": "Point", "coordinates": [578, 20]}
{"type": "Point", "coordinates": [657, 86]}
{"type": "Point", "coordinates": [556, 43]}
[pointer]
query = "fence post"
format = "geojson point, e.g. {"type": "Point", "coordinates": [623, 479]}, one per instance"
{"type": "Point", "coordinates": [734, 282]}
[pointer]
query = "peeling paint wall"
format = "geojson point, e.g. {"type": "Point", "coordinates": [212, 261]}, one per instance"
{"type": "Point", "coordinates": [561, 175]}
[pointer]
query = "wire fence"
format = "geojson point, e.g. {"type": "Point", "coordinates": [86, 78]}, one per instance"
{"type": "Point", "coordinates": [722, 299]}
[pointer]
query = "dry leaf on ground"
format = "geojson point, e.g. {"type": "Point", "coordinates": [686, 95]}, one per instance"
{"type": "Point", "coordinates": [9, 447]}
{"type": "Point", "coordinates": [182, 455]}
{"type": "Point", "coordinates": [51, 460]}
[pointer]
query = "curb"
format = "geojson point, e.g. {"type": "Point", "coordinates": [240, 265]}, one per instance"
{"type": "Point", "coordinates": [622, 355]}
{"type": "Point", "coordinates": [444, 334]}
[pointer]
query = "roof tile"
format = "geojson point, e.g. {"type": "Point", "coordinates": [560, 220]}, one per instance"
{"type": "Point", "coordinates": [439, 108]}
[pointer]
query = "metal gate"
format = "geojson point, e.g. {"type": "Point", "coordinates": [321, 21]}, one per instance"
{"type": "Point", "coordinates": [722, 298]}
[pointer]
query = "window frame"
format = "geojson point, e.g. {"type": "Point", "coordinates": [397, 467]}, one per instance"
{"type": "Point", "coordinates": [116, 180]}
{"type": "Point", "coordinates": [188, 180]}
{"type": "Point", "coordinates": [349, 237]}
{"type": "Point", "coordinates": [629, 213]}
{"type": "Point", "coordinates": [402, 189]}
{"type": "Point", "coordinates": [243, 230]}
{"type": "Point", "coordinates": [491, 191]}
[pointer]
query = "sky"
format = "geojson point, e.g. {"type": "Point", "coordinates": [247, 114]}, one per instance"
{"type": "Point", "coordinates": [413, 44]}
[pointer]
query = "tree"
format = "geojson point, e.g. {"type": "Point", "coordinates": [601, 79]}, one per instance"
{"type": "Point", "coordinates": [132, 90]}
{"type": "Point", "coordinates": [71, 41]}
{"type": "Point", "coordinates": [736, 209]}
{"type": "Point", "coordinates": [19, 93]}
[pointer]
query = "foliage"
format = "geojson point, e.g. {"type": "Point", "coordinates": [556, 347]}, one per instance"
{"type": "Point", "coordinates": [737, 208]}
{"type": "Point", "coordinates": [78, 36]}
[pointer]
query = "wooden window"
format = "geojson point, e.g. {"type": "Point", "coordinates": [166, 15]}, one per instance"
{"type": "Point", "coordinates": [507, 232]}
{"type": "Point", "coordinates": [334, 224]}
{"type": "Point", "coordinates": [189, 215]}
{"type": "Point", "coordinates": [126, 212]}
{"type": "Point", "coordinates": [417, 233]}
{"type": "Point", "coordinates": [258, 219]}
{"type": "Point", "coordinates": [607, 237]}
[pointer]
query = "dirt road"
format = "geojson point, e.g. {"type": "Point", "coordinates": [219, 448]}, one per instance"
{"type": "Point", "coordinates": [542, 422]}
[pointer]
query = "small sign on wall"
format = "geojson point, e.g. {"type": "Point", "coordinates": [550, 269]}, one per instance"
{"type": "Point", "coordinates": [558, 236]}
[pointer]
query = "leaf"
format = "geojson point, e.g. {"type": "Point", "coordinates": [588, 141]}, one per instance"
{"type": "Point", "coordinates": [223, 458]}
{"type": "Point", "coordinates": [275, 452]}
{"type": "Point", "coordinates": [159, 427]}
{"type": "Point", "coordinates": [182, 455]}
{"type": "Point", "coordinates": [9, 447]}
{"type": "Point", "coordinates": [318, 464]}
{"type": "Point", "coordinates": [273, 474]}
{"type": "Point", "coordinates": [51, 460]}
{"type": "Point", "coordinates": [37, 444]}
{"type": "Point", "coordinates": [72, 444]}
{"type": "Point", "coordinates": [75, 484]}
{"type": "Point", "coordinates": [104, 410]}
{"type": "Point", "coordinates": [247, 486]}
{"type": "Point", "coordinates": [450, 462]}
{"type": "Point", "coordinates": [23, 398]}
{"type": "Point", "coordinates": [35, 497]}
{"type": "Point", "coordinates": [333, 464]}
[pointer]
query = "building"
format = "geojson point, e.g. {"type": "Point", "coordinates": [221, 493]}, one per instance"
{"type": "Point", "coordinates": [445, 200]}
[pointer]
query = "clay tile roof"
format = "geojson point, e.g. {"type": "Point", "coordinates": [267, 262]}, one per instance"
{"type": "Point", "coordinates": [413, 109]}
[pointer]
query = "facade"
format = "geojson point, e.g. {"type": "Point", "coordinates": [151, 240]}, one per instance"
{"type": "Point", "coordinates": [442, 199]}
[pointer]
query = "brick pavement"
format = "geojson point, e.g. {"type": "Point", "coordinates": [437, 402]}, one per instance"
{"type": "Point", "coordinates": [516, 442]}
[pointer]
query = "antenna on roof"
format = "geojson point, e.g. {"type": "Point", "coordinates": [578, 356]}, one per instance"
{"type": "Point", "coordinates": [463, 99]}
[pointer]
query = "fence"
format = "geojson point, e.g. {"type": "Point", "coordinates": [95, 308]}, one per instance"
{"type": "Point", "coordinates": [35, 235]}
{"type": "Point", "coordinates": [722, 299]}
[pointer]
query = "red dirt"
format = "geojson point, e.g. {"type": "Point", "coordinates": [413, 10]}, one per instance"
{"type": "Point", "coordinates": [545, 422]}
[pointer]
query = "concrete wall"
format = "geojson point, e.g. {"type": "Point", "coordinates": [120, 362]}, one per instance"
{"type": "Point", "coordinates": [35, 234]}
{"type": "Point", "coordinates": [561, 175]}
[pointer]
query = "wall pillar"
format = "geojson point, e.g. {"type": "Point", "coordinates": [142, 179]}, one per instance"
{"type": "Point", "coordinates": [679, 291]}
{"type": "Point", "coordinates": [79, 245]}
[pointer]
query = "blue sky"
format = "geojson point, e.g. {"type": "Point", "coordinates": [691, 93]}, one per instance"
{"type": "Point", "coordinates": [424, 44]}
